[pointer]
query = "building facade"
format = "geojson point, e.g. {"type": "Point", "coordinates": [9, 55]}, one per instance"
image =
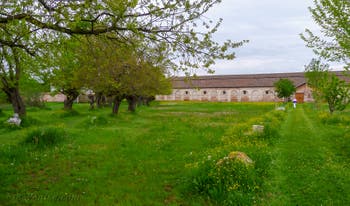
{"type": "Point", "coordinates": [236, 88]}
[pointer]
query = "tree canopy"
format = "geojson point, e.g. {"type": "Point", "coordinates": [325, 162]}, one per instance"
{"type": "Point", "coordinates": [121, 71]}
{"type": "Point", "coordinates": [333, 16]}
{"type": "Point", "coordinates": [326, 86]}
{"type": "Point", "coordinates": [177, 28]}
{"type": "Point", "coordinates": [284, 88]}
{"type": "Point", "coordinates": [175, 25]}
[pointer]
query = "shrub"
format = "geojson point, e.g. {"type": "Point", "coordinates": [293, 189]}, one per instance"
{"type": "Point", "coordinates": [327, 118]}
{"type": "Point", "coordinates": [46, 137]}
{"type": "Point", "coordinates": [226, 181]}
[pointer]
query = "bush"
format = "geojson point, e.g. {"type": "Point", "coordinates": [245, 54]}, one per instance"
{"type": "Point", "coordinates": [228, 181]}
{"type": "Point", "coordinates": [35, 101]}
{"type": "Point", "coordinates": [327, 118]}
{"type": "Point", "coordinates": [46, 137]}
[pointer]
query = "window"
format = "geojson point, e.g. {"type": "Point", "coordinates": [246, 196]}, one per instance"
{"type": "Point", "coordinates": [205, 92]}
{"type": "Point", "coordinates": [244, 92]}
{"type": "Point", "coordinates": [186, 92]}
{"type": "Point", "coordinates": [223, 92]}
{"type": "Point", "coordinates": [266, 92]}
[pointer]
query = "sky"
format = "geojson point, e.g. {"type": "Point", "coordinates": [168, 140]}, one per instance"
{"type": "Point", "coordinates": [272, 28]}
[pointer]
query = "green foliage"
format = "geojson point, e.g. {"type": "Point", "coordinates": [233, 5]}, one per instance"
{"type": "Point", "coordinates": [228, 181]}
{"type": "Point", "coordinates": [46, 137]}
{"type": "Point", "coordinates": [3, 98]}
{"type": "Point", "coordinates": [337, 119]}
{"type": "Point", "coordinates": [141, 155]}
{"type": "Point", "coordinates": [333, 17]}
{"type": "Point", "coordinates": [284, 88]}
{"type": "Point", "coordinates": [336, 92]}
{"type": "Point", "coordinates": [327, 86]}
{"type": "Point", "coordinates": [32, 90]}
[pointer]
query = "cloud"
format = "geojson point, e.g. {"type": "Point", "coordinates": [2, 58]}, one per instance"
{"type": "Point", "coordinates": [273, 28]}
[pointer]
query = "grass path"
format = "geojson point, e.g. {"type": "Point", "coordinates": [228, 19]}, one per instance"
{"type": "Point", "coordinates": [306, 168]}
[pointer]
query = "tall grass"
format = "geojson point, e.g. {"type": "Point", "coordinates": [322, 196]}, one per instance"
{"type": "Point", "coordinates": [231, 181]}
{"type": "Point", "coordinates": [135, 159]}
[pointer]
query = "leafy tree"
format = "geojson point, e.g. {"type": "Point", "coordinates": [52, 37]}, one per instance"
{"type": "Point", "coordinates": [316, 74]}
{"type": "Point", "coordinates": [66, 69]}
{"type": "Point", "coordinates": [10, 73]}
{"type": "Point", "coordinates": [333, 16]}
{"type": "Point", "coordinates": [171, 25]}
{"type": "Point", "coordinates": [336, 93]}
{"type": "Point", "coordinates": [32, 89]}
{"type": "Point", "coordinates": [284, 88]}
{"type": "Point", "coordinates": [21, 55]}
{"type": "Point", "coordinates": [327, 86]}
{"type": "Point", "coordinates": [120, 71]}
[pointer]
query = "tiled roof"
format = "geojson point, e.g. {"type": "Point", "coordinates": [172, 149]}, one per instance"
{"type": "Point", "coordinates": [239, 81]}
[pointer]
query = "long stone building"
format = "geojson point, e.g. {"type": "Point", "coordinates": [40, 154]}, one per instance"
{"type": "Point", "coordinates": [236, 88]}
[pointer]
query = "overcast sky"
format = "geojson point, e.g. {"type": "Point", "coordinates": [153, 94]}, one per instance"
{"type": "Point", "coordinates": [272, 27]}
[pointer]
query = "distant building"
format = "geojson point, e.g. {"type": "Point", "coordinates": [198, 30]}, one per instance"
{"type": "Point", "coordinates": [236, 88]}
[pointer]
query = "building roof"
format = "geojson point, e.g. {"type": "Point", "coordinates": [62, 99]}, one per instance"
{"type": "Point", "coordinates": [239, 81]}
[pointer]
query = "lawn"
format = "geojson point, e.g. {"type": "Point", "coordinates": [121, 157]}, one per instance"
{"type": "Point", "coordinates": [169, 154]}
{"type": "Point", "coordinates": [311, 164]}
{"type": "Point", "coordinates": [131, 159]}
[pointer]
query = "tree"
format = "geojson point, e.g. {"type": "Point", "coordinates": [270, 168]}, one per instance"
{"type": "Point", "coordinates": [333, 16]}
{"type": "Point", "coordinates": [336, 93]}
{"type": "Point", "coordinates": [66, 68]}
{"type": "Point", "coordinates": [284, 88]}
{"type": "Point", "coordinates": [121, 71]}
{"type": "Point", "coordinates": [327, 86]}
{"type": "Point", "coordinates": [316, 75]}
{"type": "Point", "coordinates": [171, 25]}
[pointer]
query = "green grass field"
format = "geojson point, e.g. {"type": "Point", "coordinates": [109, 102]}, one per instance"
{"type": "Point", "coordinates": [142, 158]}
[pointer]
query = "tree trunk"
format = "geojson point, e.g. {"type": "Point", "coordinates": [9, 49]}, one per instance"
{"type": "Point", "coordinates": [116, 103]}
{"type": "Point", "coordinates": [147, 100]}
{"type": "Point", "coordinates": [71, 95]}
{"type": "Point", "coordinates": [16, 101]}
{"type": "Point", "coordinates": [132, 102]}
{"type": "Point", "coordinates": [99, 99]}
{"type": "Point", "coordinates": [91, 101]}
{"type": "Point", "coordinates": [140, 101]}
{"type": "Point", "coordinates": [10, 82]}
